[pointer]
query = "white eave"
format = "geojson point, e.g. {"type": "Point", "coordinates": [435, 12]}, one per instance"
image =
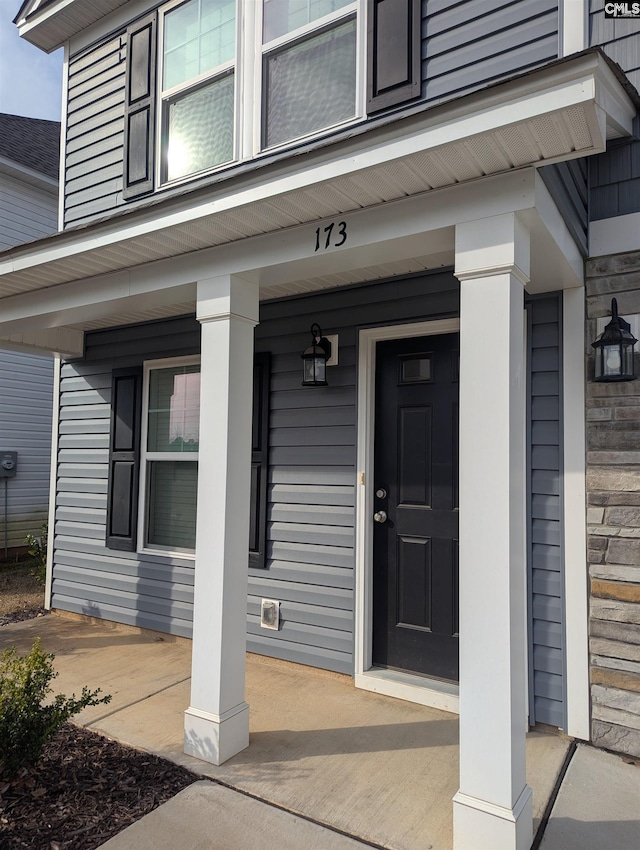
{"type": "Point", "coordinates": [48, 25]}
{"type": "Point", "coordinates": [562, 111]}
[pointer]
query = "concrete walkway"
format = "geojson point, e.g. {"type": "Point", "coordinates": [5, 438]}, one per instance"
{"type": "Point", "coordinates": [380, 770]}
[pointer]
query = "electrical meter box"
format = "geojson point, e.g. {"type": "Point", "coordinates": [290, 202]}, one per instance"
{"type": "Point", "coordinates": [8, 464]}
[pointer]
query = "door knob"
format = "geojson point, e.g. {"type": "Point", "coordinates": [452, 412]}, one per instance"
{"type": "Point", "coordinates": [380, 516]}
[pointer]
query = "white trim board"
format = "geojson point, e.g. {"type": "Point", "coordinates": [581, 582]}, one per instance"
{"type": "Point", "coordinates": [430, 692]}
{"type": "Point", "coordinates": [575, 531]}
{"type": "Point", "coordinates": [614, 235]}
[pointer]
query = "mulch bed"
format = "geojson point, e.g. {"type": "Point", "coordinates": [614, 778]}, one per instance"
{"type": "Point", "coordinates": [83, 791]}
{"type": "Point", "coordinates": [24, 614]}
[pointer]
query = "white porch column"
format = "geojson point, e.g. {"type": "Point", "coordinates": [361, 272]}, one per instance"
{"type": "Point", "coordinates": [493, 808]}
{"type": "Point", "coordinates": [217, 720]}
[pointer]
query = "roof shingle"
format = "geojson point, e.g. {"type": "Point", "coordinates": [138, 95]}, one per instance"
{"type": "Point", "coordinates": [32, 142]}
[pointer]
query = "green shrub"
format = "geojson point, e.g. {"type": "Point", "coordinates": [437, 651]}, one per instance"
{"type": "Point", "coordinates": [26, 723]}
{"type": "Point", "coordinates": [38, 550]}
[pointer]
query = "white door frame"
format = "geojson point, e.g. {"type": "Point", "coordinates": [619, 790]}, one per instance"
{"type": "Point", "coordinates": [418, 689]}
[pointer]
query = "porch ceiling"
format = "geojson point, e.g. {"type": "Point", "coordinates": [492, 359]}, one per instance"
{"type": "Point", "coordinates": [562, 111]}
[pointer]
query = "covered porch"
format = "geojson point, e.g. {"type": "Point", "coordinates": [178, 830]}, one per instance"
{"type": "Point", "coordinates": [379, 769]}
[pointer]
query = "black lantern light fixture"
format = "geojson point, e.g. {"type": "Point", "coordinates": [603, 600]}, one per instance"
{"type": "Point", "coordinates": [314, 359]}
{"type": "Point", "coordinates": [614, 349]}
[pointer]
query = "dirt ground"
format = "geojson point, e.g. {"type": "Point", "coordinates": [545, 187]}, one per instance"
{"type": "Point", "coordinates": [20, 591]}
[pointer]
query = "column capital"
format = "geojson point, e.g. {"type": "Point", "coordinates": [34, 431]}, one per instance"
{"type": "Point", "coordinates": [492, 246]}
{"type": "Point", "coordinates": [227, 296]}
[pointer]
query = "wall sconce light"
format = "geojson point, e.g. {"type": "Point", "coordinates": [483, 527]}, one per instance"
{"type": "Point", "coordinates": [314, 359]}
{"type": "Point", "coordinates": [614, 349]}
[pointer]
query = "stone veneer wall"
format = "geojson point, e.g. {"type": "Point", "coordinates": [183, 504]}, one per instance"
{"type": "Point", "coordinates": [613, 519]}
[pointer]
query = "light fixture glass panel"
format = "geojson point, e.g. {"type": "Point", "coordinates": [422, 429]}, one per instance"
{"type": "Point", "coordinates": [200, 129]}
{"type": "Point", "coordinates": [172, 497]}
{"type": "Point", "coordinates": [283, 16]}
{"type": "Point", "coordinates": [174, 409]}
{"type": "Point", "coordinates": [612, 360]}
{"type": "Point", "coordinates": [315, 370]}
{"type": "Point", "coordinates": [311, 85]}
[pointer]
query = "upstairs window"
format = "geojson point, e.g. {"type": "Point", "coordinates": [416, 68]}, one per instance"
{"type": "Point", "coordinates": [214, 82]}
{"type": "Point", "coordinates": [198, 82]}
{"type": "Point", "coordinates": [309, 67]}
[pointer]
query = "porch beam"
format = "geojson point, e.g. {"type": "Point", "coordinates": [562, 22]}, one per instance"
{"type": "Point", "coordinates": [217, 721]}
{"type": "Point", "coordinates": [493, 808]}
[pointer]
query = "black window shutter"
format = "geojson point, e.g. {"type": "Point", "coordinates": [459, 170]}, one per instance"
{"type": "Point", "coordinates": [259, 461]}
{"type": "Point", "coordinates": [393, 53]}
{"type": "Point", "coordinates": [139, 112]}
{"type": "Point", "coordinates": [124, 459]}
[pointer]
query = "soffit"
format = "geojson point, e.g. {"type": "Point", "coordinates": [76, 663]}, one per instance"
{"type": "Point", "coordinates": [54, 23]}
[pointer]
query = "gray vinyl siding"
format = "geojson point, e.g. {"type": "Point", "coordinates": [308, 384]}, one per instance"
{"type": "Point", "coordinates": [150, 591]}
{"type": "Point", "coordinates": [618, 38]}
{"type": "Point", "coordinates": [615, 181]}
{"type": "Point", "coordinates": [465, 46]}
{"type": "Point", "coordinates": [312, 474]}
{"type": "Point", "coordinates": [26, 382]}
{"type": "Point", "coordinates": [545, 532]}
{"type": "Point", "coordinates": [26, 212]}
{"type": "Point", "coordinates": [95, 131]}
{"type": "Point", "coordinates": [615, 175]}
{"type": "Point", "coordinates": [567, 185]}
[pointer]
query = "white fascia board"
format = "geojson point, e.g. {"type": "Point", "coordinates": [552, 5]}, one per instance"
{"type": "Point", "coordinates": [37, 18]}
{"type": "Point", "coordinates": [571, 274]}
{"type": "Point", "coordinates": [28, 175]}
{"type": "Point", "coordinates": [618, 108]}
{"type": "Point", "coordinates": [375, 234]}
{"type": "Point", "coordinates": [68, 342]}
{"type": "Point", "coordinates": [484, 113]}
{"type": "Point", "coordinates": [616, 235]}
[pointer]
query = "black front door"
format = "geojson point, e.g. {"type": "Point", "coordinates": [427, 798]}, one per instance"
{"type": "Point", "coordinates": [415, 570]}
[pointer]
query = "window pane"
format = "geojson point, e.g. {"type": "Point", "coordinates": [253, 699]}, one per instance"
{"type": "Point", "coordinates": [171, 520]}
{"type": "Point", "coordinates": [198, 37]}
{"type": "Point", "coordinates": [416, 369]}
{"type": "Point", "coordinates": [174, 409]}
{"type": "Point", "coordinates": [282, 16]}
{"type": "Point", "coordinates": [311, 85]}
{"type": "Point", "coordinates": [201, 129]}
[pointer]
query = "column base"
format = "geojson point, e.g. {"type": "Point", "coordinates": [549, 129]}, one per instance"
{"type": "Point", "coordinates": [216, 738]}
{"type": "Point", "coordinates": [479, 825]}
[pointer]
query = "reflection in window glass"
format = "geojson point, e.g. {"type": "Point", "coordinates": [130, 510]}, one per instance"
{"type": "Point", "coordinates": [198, 37]}
{"type": "Point", "coordinates": [416, 369]}
{"type": "Point", "coordinates": [311, 85]}
{"type": "Point", "coordinates": [200, 129]}
{"type": "Point", "coordinates": [174, 409]}
{"type": "Point", "coordinates": [172, 498]}
{"type": "Point", "coordinates": [283, 16]}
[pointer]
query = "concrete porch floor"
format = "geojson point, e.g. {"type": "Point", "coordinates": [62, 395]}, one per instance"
{"type": "Point", "coordinates": [376, 768]}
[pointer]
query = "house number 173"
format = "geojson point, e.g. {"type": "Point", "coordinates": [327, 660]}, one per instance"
{"type": "Point", "coordinates": [333, 235]}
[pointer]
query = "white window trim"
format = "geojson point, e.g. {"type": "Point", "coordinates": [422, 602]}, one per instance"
{"type": "Point", "coordinates": [145, 456]}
